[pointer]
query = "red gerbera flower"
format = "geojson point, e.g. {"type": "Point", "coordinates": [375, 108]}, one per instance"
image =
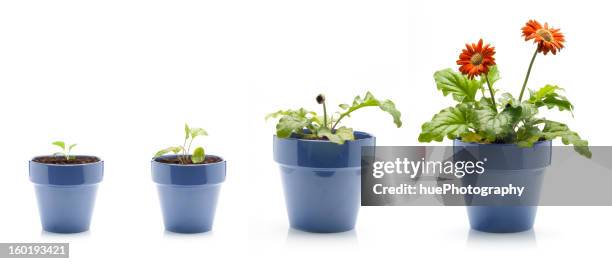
{"type": "Point", "coordinates": [548, 39]}
{"type": "Point", "coordinates": [476, 59]}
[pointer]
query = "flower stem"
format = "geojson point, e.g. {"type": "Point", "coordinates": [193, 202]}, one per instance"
{"type": "Point", "coordinates": [324, 115]}
{"type": "Point", "coordinates": [492, 93]}
{"type": "Point", "coordinates": [527, 76]}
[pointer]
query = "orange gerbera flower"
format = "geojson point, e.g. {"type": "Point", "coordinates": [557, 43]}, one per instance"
{"type": "Point", "coordinates": [548, 39]}
{"type": "Point", "coordinates": [476, 59]}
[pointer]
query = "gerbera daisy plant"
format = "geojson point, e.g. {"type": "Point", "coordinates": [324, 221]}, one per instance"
{"type": "Point", "coordinates": [305, 124]}
{"type": "Point", "coordinates": [481, 116]}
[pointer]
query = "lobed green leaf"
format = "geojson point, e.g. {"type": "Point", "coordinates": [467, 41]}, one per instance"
{"type": "Point", "coordinates": [369, 100]}
{"type": "Point", "coordinates": [548, 96]}
{"type": "Point", "coordinates": [452, 122]}
{"type": "Point", "coordinates": [460, 86]}
{"type": "Point", "coordinates": [554, 130]}
{"type": "Point", "coordinates": [497, 125]}
{"type": "Point", "coordinates": [339, 136]}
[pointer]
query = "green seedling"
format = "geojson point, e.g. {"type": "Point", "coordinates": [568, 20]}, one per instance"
{"type": "Point", "coordinates": [65, 149]}
{"type": "Point", "coordinates": [182, 152]}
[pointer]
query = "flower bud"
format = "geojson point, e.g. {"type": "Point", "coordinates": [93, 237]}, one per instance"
{"type": "Point", "coordinates": [320, 99]}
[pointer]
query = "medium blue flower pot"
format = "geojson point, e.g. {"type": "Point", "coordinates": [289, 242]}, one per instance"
{"type": "Point", "coordinates": [66, 194]}
{"type": "Point", "coordinates": [322, 181]}
{"type": "Point", "coordinates": [505, 164]}
{"type": "Point", "coordinates": [188, 194]}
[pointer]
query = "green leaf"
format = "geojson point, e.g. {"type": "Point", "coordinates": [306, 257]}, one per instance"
{"type": "Point", "coordinates": [339, 136]}
{"type": "Point", "coordinates": [493, 75]}
{"type": "Point", "coordinates": [174, 150]}
{"type": "Point", "coordinates": [508, 100]}
{"type": "Point", "coordinates": [71, 147]}
{"type": "Point", "coordinates": [452, 122]}
{"type": "Point", "coordinates": [198, 155]}
{"type": "Point", "coordinates": [288, 125]}
{"type": "Point", "coordinates": [472, 137]}
{"type": "Point", "coordinates": [278, 114]}
{"type": "Point", "coordinates": [548, 96]}
{"type": "Point", "coordinates": [461, 87]}
{"type": "Point", "coordinates": [527, 109]}
{"type": "Point", "coordinates": [293, 121]}
{"type": "Point", "coordinates": [554, 130]}
{"type": "Point", "coordinates": [60, 144]}
{"type": "Point", "coordinates": [187, 131]}
{"type": "Point", "coordinates": [526, 136]}
{"type": "Point", "coordinates": [196, 132]}
{"type": "Point", "coordinates": [497, 125]}
{"type": "Point", "coordinates": [369, 100]}
{"type": "Point", "coordinates": [389, 107]}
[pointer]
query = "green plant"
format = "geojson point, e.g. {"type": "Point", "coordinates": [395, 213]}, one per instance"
{"type": "Point", "coordinates": [182, 152]}
{"type": "Point", "coordinates": [307, 124]}
{"type": "Point", "coordinates": [65, 149]}
{"type": "Point", "coordinates": [484, 119]}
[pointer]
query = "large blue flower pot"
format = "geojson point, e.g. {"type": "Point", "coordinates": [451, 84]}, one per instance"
{"type": "Point", "coordinates": [66, 194]}
{"type": "Point", "coordinates": [188, 194]}
{"type": "Point", "coordinates": [322, 181]}
{"type": "Point", "coordinates": [505, 164]}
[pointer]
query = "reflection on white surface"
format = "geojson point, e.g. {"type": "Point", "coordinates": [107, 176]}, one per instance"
{"type": "Point", "coordinates": [65, 237]}
{"type": "Point", "coordinates": [297, 238]}
{"type": "Point", "coordinates": [173, 235]}
{"type": "Point", "coordinates": [46, 234]}
{"type": "Point", "coordinates": [477, 239]}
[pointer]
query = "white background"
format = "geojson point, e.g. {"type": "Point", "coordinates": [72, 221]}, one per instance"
{"type": "Point", "coordinates": [120, 77]}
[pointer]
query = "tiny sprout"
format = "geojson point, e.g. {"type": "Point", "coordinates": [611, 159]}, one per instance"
{"type": "Point", "coordinates": [183, 151]}
{"type": "Point", "coordinates": [65, 150]}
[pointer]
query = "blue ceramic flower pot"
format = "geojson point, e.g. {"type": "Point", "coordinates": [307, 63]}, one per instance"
{"type": "Point", "coordinates": [505, 164]}
{"type": "Point", "coordinates": [66, 194]}
{"type": "Point", "coordinates": [322, 181]}
{"type": "Point", "coordinates": [188, 194]}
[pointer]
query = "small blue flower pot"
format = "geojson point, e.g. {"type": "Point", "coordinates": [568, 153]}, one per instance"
{"type": "Point", "coordinates": [506, 164]}
{"type": "Point", "coordinates": [188, 194]}
{"type": "Point", "coordinates": [66, 194]}
{"type": "Point", "coordinates": [322, 181]}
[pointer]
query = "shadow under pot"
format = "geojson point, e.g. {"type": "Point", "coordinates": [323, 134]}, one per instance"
{"type": "Point", "coordinates": [504, 164]}
{"type": "Point", "coordinates": [66, 193]}
{"type": "Point", "coordinates": [321, 181]}
{"type": "Point", "coordinates": [188, 193]}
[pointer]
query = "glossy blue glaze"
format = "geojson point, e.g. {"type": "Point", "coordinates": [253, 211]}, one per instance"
{"type": "Point", "coordinates": [506, 164]}
{"type": "Point", "coordinates": [321, 181]}
{"type": "Point", "coordinates": [66, 194]}
{"type": "Point", "coordinates": [188, 194]}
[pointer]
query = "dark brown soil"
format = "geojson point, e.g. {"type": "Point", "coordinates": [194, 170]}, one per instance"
{"type": "Point", "coordinates": [62, 160]}
{"type": "Point", "coordinates": [318, 138]}
{"type": "Point", "coordinates": [187, 160]}
{"type": "Point", "coordinates": [311, 137]}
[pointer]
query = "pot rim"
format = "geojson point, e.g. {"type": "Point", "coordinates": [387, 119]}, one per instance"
{"type": "Point", "coordinates": [315, 141]}
{"type": "Point", "coordinates": [154, 160]}
{"type": "Point", "coordinates": [498, 144]}
{"type": "Point", "coordinates": [100, 161]}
